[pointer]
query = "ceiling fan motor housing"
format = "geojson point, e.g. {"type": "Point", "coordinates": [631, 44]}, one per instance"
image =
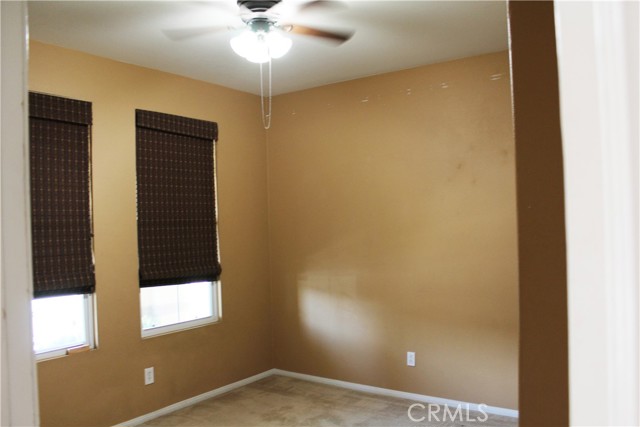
{"type": "Point", "coordinates": [258, 5]}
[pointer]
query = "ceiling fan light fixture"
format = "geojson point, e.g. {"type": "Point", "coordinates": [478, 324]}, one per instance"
{"type": "Point", "coordinates": [278, 44]}
{"type": "Point", "coordinates": [260, 46]}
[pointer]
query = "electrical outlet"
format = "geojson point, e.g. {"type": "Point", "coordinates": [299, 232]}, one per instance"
{"type": "Point", "coordinates": [149, 376]}
{"type": "Point", "coordinates": [411, 358]}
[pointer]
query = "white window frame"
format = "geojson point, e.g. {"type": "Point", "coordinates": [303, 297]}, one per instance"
{"type": "Point", "coordinates": [190, 324]}
{"type": "Point", "coordinates": [90, 325]}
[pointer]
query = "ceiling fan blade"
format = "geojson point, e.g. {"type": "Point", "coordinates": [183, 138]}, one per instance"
{"type": "Point", "coordinates": [335, 36]}
{"type": "Point", "coordinates": [287, 9]}
{"type": "Point", "coordinates": [244, 10]}
{"type": "Point", "coordinates": [322, 4]}
{"type": "Point", "coordinates": [180, 34]}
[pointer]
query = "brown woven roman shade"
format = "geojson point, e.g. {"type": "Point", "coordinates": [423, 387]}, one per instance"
{"type": "Point", "coordinates": [177, 231]}
{"type": "Point", "coordinates": [61, 232]}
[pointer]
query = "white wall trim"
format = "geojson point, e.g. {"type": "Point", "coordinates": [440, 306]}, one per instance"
{"type": "Point", "coordinates": [196, 399]}
{"type": "Point", "coordinates": [597, 46]}
{"type": "Point", "coordinates": [19, 389]}
{"type": "Point", "coordinates": [337, 383]}
{"type": "Point", "coordinates": [399, 394]}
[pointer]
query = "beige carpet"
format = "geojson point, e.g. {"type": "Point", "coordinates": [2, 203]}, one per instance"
{"type": "Point", "coordinates": [284, 401]}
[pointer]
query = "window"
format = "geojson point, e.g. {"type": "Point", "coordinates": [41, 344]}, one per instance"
{"type": "Point", "coordinates": [169, 308]}
{"type": "Point", "coordinates": [61, 227]}
{"type": "Point", "coordinates": [61, 322]}
{"type": "Point", "coordinates": [179, 267]}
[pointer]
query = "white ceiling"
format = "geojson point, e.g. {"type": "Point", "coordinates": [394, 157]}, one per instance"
{"type": "Point", "coordinates": [389, 35]}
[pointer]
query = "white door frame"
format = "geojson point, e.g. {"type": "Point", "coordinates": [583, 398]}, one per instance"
{"type": "Point", "coordinates": [18, 387]}
{"type": "Point", "coordinates": [598, 70]}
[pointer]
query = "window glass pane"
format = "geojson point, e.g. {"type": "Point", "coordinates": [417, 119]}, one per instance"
{"type": "Point", "coordinates": [168, 305]}
{"type": "Point", "coordinates": [59, 322]}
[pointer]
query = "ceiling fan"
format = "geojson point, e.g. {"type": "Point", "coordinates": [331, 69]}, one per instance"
{"type": "Point", "coordinates": [266, 22]}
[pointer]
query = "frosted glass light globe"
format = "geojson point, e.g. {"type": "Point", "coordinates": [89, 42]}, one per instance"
{"type": "Point", "coordinates": [259, 46]}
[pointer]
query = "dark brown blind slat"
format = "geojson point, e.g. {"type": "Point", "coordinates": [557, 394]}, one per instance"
{"type": "Point", "coordinates": [176, 124]}
{"type": "Point", "coordinates": [60, 196]}
{"type": "Point", "coordinates": [177, 232]}
{"type": "Point", "coordinates": [61, 109]}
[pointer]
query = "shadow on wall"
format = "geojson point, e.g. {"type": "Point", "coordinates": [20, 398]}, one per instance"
{"type": "Point", "coordinates": [395, 213]}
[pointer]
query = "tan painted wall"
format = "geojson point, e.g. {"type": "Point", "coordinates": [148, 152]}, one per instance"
{"type": "Point", "coordinates": [392, 228]}
{"type": "Point", "coordinates": [544, 360]}
{"type": "Point", "coordinates": [105, 386]}
{"type": "Point", "coordinates": [392, 214]}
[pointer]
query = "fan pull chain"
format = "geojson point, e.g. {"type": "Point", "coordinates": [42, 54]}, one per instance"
{"type": "Point", "coordinates": [266, 118]}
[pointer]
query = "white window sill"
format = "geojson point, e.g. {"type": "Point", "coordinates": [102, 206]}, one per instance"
{"type": "Point", "coordinates": [62, 352]}
{"type": "Point", "coordinates": [178, 327]}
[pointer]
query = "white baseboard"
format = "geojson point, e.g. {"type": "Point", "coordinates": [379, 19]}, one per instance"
{"type": "Point", "coordinates": [343, 384]}
{"type": "Point", "coordinates": [400, 394]}
{"type": "Point", "coordinates": [196, 399]}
